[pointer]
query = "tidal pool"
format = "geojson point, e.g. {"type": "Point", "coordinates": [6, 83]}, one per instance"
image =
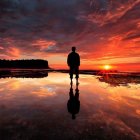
{"type": "Point", "coordinates": [41, 109]}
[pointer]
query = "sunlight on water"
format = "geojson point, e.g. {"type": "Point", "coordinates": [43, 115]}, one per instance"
{"type": "Point", "coordinates": [45, 101]}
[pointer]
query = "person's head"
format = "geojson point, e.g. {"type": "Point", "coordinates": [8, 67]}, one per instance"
{"type": "Point", "coordinates": [73, 49]}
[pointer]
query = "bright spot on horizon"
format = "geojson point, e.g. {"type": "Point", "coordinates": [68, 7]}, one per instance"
{"type": "Point", "coordinates": [107, 67]}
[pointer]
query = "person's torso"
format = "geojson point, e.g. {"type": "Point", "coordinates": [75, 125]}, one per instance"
{"type": "Point", "coordinates": [74, 58]}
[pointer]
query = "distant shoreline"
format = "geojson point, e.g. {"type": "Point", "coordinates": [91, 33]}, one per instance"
{"type": "Point", "coordinates": [66, 70]}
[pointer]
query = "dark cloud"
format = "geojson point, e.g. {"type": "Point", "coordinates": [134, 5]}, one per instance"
{"type": "Point", "coordinates": [132, 36]}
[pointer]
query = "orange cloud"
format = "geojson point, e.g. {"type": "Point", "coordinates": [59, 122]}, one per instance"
{"type": "Point", "coordinates": [13, 52]}
{"type": "Point", "coordinates": [43, 44]}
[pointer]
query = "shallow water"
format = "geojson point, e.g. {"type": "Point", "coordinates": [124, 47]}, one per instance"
{"type": "Point", "coordinates": [37, 108]}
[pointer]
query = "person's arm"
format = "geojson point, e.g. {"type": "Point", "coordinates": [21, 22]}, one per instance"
{"type": "Point", "coordinates": [68, 60]}
{"type": "Point", "coordinates": [78, 60]}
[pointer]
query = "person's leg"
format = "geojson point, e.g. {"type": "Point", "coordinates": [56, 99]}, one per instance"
{"type": "Point", "coordinates": [71, 73]}
{"type": "Point", "coordinates": [77, 72]}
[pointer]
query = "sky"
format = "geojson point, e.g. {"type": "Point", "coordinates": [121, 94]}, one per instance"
{"type": "Point", "coordinates": [103, 31]}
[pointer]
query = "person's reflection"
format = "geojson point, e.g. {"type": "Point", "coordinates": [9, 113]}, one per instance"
{"type": "Point", "coordinates": [73, 104]}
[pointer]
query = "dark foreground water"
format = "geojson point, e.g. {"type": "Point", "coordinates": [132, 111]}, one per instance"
{"type": "Point", "coordinates": [40, 109]}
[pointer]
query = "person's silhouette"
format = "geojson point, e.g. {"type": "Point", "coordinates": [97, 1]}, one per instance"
{"type": "Point", "coordinates": [73, 61]}
{"type": "Point", "coordinates": [73, 104]}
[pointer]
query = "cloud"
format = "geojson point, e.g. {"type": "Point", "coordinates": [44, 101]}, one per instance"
{"type": "Point", "coordinates": [13, 52]}
{"type": "Point", "coordinates": [99, 28]}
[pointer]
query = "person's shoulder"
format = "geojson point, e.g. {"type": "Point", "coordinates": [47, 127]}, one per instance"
{"type": "Point", "coordinates": [69, 53]}
{"type": "Point", "coordinates": [77, 53]}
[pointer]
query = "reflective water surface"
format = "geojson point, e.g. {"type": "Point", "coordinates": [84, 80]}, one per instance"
{"type": "Point", "coordinates": [52, 108]}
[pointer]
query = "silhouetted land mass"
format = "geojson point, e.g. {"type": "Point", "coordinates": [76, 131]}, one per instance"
{"type": "Point", "coordinates": [120, 80]}
{"type": "Point", "coordinates": [24, 64]}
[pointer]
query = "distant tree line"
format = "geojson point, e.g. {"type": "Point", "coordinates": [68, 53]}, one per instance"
{"type": "Point", "coordinates": [21, 64]}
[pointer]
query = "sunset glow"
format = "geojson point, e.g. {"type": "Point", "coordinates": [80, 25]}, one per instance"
{"type": "Point", "coordinates": [104, 32]}
{"type": "Point", "coordinates": [70, 69]}
{"type": "Point", "coordinates": [107, 67]}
